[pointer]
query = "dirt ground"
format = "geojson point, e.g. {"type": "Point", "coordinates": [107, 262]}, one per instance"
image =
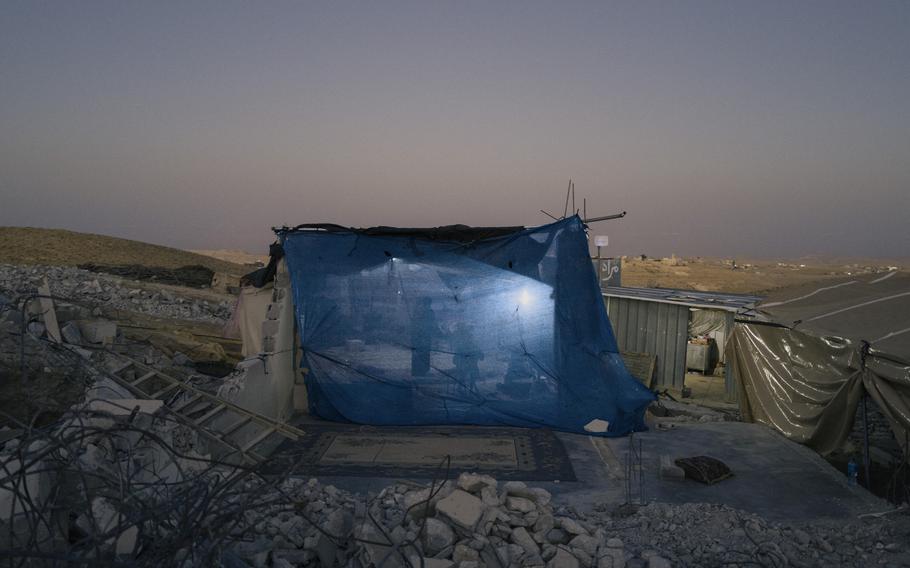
{"type": "Point", "coordinates": [749, 276]}
{"type": "Point", "coordinates": [56, 247]}
{"type": "Point", "coordinates": [235, 256]}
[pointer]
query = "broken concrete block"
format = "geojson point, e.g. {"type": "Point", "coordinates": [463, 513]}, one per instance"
{"type": "Point", "coordinates": [430, 562]}
{"type": "Point", "coordinates": [473, 482]}
{"type": "Point", "coordinates": [98, 331]}
{"type": "Point", "coordinates": [70, 333]}
{"type": "Point", "coordinates": [521, 537]}
{"type": "Point", "coordinates": [50, 316]}
{"type": "Point", "coordinates": [597, 426]}
{"type": "Point", "coordinates": [36, 328]}
{"type": "Point", "coordinates": [462, 508]}
{"type": "Point", "coordinates": [326, 550]}
{"type": "Point", "coordinates": [437, 536]}
{"type": "Point", "coordinates": [563, 559]}
{"type": "Point", "coordinates": [520, 504]}
{"type": "Point", "coordinates": [570, 525]}
{"type": "Point", "coordinates": [587, 543]}
{"type": "Point", "coordinates": [464, 553]}
{"type": "Point", "coordinates": [669, 470]}
{"type": "Point", "coordinates": [489, 497]}
{"type": "Point", "coordinates": [126, 542]}
{"type": "Point", "coordinates": [518, 489]}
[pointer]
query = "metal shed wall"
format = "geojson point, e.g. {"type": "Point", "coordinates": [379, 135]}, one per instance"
{"type": "Point", "coordinates": [658, 328]}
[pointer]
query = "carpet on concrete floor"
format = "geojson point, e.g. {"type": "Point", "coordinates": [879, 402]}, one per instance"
{"type": "Point", "coordinates": [330, 449]}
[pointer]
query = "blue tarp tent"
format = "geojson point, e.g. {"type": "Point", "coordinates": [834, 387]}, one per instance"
{"type": "Point", "coordinates": [401, 327]}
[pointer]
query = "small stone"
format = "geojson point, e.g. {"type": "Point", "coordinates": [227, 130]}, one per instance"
{"type": "Point", "coordinates": [614, 543]}
{"type": "Point", "coordinates": [802, 536]}
{"type": "Point", "coordinates": [520, 504]}
{"type": "Point", "coordinates": [521, 537]}
{"type": "Point", "coordinates": [472, 482]}
{"type": "Point", "coordinates": [557, 536]}
{"type": "Point", "coordinates": [656, 561]}
{"type": "Point", "coordinates": [563, 559]}
{"type": "Point", "coordinates": [437, 536]}
{"type": "Point", "coordinates": [570, 525]}
{"type": "Point", "coordinates": [584, 542]}
{"type": "Point", "coordinates": [463, 553]}
{"type": "Point", "coordinates": [326, 550]}
{"type": "Point", "coordinates": [544, 523]}
{"type": "Point", "coordinates": [489, 497]}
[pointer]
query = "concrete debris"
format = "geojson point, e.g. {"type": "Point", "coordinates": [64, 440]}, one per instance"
{"type": "Point", "coordinates": [669, 470]}
{"type": "Point", "coordinates": [597, 426]}
{"type": "Point", "coordinates": [109, 292]}
{"type": "Point", "coordinates": [98, 331]}
{"type": "Point", "coordinates": [461, 508]}
{"type": "Point", "coordinates": [71, 333]}
{"type": "Point", "coordinates": [468, 531]}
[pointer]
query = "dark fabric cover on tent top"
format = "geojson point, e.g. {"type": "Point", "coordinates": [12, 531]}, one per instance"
{"type": "Point", "coordinates": [805, 374]}
{"type": "Point", "coordinates": [453, 233]}
{"type": "Point", "coordinates": [397, 329]}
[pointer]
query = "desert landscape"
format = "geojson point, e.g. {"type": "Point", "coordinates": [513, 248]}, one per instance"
{"type": "Point", "coordinates": [168, 323]}
{"type": "Point", "coordinates": [412, 284]}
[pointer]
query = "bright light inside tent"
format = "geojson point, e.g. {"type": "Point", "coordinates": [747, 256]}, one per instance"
{"type": "Point", "coordinates": [524, 297]}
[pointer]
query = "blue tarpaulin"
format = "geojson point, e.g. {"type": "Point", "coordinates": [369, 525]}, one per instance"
{"type": "Point", "coordinates": [404, 329]}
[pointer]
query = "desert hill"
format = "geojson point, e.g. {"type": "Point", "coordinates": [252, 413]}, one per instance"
{"type": "Point", "coordinates": [58, 247]}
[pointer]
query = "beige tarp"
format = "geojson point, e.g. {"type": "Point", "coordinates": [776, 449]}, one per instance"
{"type": "Point", "coordinates": [804, 373]}
{"type": "Point", "coordinates": [703, 322]}
{"type": "Point", "coordinates": [249, 314]}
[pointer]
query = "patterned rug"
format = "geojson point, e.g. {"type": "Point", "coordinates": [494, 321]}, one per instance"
{"type": "Point", "coordinates": [331, 449]}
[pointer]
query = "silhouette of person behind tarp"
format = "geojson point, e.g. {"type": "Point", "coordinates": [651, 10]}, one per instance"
{"type": "Point", "coordinates": [466, 356]}
{"type": "Point", "coordinates": [423, 326]}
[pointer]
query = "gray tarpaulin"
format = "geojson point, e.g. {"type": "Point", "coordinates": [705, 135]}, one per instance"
{"type": "Point", "coordinates": [703, 322]}
{"type": "Point", "coordinates": [804, 367]}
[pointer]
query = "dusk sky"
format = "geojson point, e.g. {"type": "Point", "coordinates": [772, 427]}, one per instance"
{"type": "Point", "coordinates": [727, 128]}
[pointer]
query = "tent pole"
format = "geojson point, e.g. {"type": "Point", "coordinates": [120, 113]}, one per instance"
{"type": "Point", "coordinates": [866, 443]}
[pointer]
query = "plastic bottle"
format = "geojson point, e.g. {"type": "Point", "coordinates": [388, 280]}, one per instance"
{"type": "Point", "coordinates": [852, 471]}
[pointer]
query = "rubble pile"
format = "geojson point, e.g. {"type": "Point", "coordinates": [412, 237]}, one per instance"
{"type": "Point", "coordinates": [476, 522]}
{"type": "Point", "coordinates": [703, 534]}
{"type": "Point", "coordinates": [140, 489]}
{"type": "Point", "coordinates": [109, 293]}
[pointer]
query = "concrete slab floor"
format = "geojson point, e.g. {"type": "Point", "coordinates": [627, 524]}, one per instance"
{"type": "Point", "coordinates": [773, 476]}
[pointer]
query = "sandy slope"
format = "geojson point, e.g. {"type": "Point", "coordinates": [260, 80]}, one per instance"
{"type": "Point", "coordinates": [22, 245]}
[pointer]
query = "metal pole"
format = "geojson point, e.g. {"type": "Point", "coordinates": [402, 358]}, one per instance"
{"type": "Point", "coordinates": [866, 443]}
{"type": "Point", "coordinates": [605, 218]}
{"type": "Point", "coordinates": [641, 474]}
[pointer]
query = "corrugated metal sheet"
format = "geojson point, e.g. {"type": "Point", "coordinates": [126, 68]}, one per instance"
{"type": "Point", "coordinates": [693, 298]}
{"type": "Point", "coordinates": [658, 328]}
